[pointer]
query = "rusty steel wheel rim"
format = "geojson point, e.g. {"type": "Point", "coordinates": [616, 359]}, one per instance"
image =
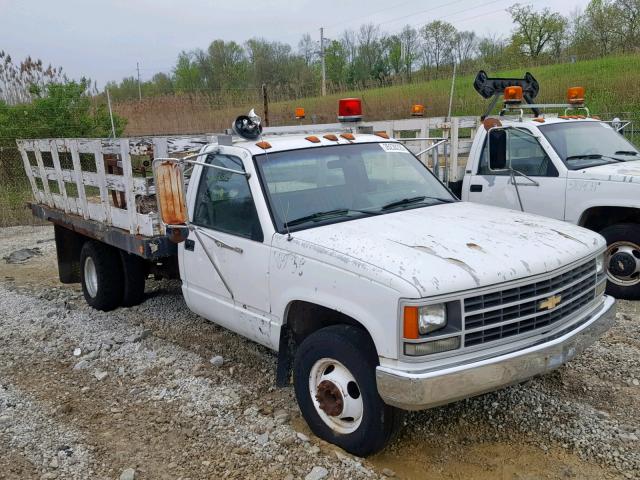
{"type": "Point", "coordinates": [622, 260]}
{"type": "Point", "coordinates": [336, 395]}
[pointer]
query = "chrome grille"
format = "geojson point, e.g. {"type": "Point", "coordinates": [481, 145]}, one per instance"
{"type": "Point", "coordinates": [514, 311]}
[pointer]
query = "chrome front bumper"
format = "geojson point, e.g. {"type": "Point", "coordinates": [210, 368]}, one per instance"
{"type": "Point", "coordinates": [418, 391]}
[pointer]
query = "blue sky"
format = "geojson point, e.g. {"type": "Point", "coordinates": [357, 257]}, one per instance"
{"type": "Point", "coordinates": [104, 39]}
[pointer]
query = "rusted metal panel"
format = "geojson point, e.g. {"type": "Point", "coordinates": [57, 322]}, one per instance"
{"type": "Point", "coordinates": [149, 247]}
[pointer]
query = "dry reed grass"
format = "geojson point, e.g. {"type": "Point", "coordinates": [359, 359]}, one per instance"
{"type": "Point", "coordinates": [607, 81]}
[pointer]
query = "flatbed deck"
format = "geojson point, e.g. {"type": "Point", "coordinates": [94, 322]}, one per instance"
{"type": "Point", "coordinates": [148, 247]}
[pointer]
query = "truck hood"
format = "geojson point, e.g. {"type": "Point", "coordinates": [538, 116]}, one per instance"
{"type": "Point", "coordinates": [454, 247]}
{"type": "Point", "coordinates": [628, 172]}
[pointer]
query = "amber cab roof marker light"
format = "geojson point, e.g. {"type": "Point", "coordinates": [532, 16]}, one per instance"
{"type": "Point", "coordinates": [263, 145]}
{"type": "Point", "coordinates": [348, 136]}
{"type": "Point", "coordinates": [381, 134]}
{"type": "Point", "coordinates": [330, 136]}
{"type": "Point", "coordinates": [312, 139]}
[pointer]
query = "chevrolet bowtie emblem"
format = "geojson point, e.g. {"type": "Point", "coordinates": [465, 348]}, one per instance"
{"type": "Point", "coordinates": [550, 303]}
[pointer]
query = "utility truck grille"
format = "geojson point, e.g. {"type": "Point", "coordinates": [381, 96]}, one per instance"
{"type": "Point", "coordinates": [538, 306]}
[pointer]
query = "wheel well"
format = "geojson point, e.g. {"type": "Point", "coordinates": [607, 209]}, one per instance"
{"type": "Point", "coordinates": [598, 218]}
{"type": "Point", "coordinates": [301, 320]}
{"type": "Point", "coordinates": [304, 318]}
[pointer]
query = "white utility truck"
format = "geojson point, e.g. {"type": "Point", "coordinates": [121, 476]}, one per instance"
{"type": "Point", "coordinates": [379, 290]}
{"type": "Point", "coordinates": [570, 167]}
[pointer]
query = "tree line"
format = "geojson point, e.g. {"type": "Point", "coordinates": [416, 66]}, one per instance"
{"type": "Point", "coordinates": [368, 56]}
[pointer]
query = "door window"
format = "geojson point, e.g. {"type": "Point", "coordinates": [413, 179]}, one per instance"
{"type": "Point", "coordinates": [224, 200]}
{"type": "Point", "coordinates": [526, 155]}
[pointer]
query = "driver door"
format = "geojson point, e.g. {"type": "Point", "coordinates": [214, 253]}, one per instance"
{"type": "Point", "coordinates": [543, 193]}
{"type": "Point", "coordinates": [225, 260]}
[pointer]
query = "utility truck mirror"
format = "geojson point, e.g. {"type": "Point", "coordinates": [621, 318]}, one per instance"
{"type": "Point", "coordinates": [498, 149]}
{"type": "Point", "coordinates": [169, 183]}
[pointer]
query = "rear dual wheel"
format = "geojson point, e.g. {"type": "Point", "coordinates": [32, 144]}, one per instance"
{"type": "Point", "coordinates": [111, 278]}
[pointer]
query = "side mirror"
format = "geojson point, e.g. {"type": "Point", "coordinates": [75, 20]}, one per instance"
{"type": "Point", "coordinates": [172, 204]}
{"type": "Point", "coordinates": [498, 150]}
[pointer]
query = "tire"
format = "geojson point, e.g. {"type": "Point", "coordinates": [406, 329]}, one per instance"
{"type": "Point", "coordinates": [348, 350]}
{"type": "Point", "coordinates": [623, 241]}
{"type": "Point", "coordinates": [134, 270]}
{"type": "Point", "coordinates": [101, 276]}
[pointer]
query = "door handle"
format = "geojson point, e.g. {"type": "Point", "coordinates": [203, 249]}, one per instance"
{"type": "Point", "coordinates": [189, 244]}
{"type": "Point", "coordinates": [221, 244]}
{"type": "Point", "coordinates": [475, 188]}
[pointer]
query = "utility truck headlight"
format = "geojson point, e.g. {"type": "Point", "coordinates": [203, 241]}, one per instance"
{"type": "Point", "coordinates": [423, 320]}
{"type": "Point", "coordinates": [431, 318]}
{"type": "Point", "coordinates": [600, 264]}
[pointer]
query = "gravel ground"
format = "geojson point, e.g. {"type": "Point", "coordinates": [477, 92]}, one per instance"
{"type": "Point", "coordinates": [86, 394]}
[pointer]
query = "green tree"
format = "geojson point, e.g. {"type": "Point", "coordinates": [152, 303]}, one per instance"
{"type": "Point", "coordinates": [535, 30]}
{"type": "Point", "coordinates": [63, 110]}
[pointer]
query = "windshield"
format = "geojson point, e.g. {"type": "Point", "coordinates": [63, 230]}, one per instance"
{"type": "Point", "coordinates": [322, 185]}
{"type": "Point", "coordinates": [588, 144]}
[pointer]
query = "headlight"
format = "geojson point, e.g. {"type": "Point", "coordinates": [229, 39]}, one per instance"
{"type": "Point", "coordinates": [422, 320]}
{"type": "Point", "coordinates": [431, 318]}
{"type": "Point", "coordinates": [600, 264]}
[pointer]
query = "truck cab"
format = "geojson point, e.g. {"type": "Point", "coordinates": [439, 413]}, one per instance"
{"type": "Point", "coordinates": [572, 168]}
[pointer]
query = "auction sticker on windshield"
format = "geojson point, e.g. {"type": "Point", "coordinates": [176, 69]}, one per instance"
{"type": "Point", "coordinates": [393, 147]}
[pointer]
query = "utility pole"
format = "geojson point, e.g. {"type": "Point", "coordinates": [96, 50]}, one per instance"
{"type": "Point", "coordinates": [453, 83]}
{"type": "Point", "coordinates": [139, 88]}
{"type": "Point", "coordinates": [113, 127]}
{"type": "Point", "coordinates": [265, 101]}
{"type": "Point", "coordinates": [324, 70]}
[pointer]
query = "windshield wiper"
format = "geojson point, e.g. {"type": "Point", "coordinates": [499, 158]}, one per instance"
{"type": "Point", "coordinates": [317, 216]}
{"type": "Point", "coordinates": [592, 156]}
{"type": "Point", "coordinates": [626, 152]}
{"type": "Point", "coordinates": [412, 200]}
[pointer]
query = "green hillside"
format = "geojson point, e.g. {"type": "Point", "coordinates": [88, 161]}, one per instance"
{"type": "Point", "coordinates": [612, 88]}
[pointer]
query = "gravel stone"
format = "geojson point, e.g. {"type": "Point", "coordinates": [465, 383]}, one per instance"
{"type": "Point", "coordinates": [217, 361]}
{"type": "Point", "coordinates": [317, 473]}
{"type": "Point", "coordinates": [128, 474]}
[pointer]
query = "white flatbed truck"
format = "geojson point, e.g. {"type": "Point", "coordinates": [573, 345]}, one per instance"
{"type": "Point", "coordinates": [377, 288]}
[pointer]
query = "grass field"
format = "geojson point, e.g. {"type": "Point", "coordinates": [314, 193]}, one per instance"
{"type": "Point", "coordinates": [611, 85]}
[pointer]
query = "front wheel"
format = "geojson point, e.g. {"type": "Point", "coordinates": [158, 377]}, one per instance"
{"type": "Point", "coordinates": [622, 260]}
{"type": "Point", "coordinates": [335, 385]}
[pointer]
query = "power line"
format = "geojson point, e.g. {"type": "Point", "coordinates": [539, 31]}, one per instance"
{"type": "Point", "coordinates": [422, 11]}
{"type": "Point", "coordinates": [369, 14]}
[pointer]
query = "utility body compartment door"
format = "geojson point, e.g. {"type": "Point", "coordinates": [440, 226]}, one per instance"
{"type": "Point", "coordinates": [543, 193]}
{"type": "Point", "coordinates": [225, 261]}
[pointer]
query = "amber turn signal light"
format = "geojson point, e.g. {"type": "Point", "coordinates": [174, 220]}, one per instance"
{"type": "Point", "coordinates": [410, 323]}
